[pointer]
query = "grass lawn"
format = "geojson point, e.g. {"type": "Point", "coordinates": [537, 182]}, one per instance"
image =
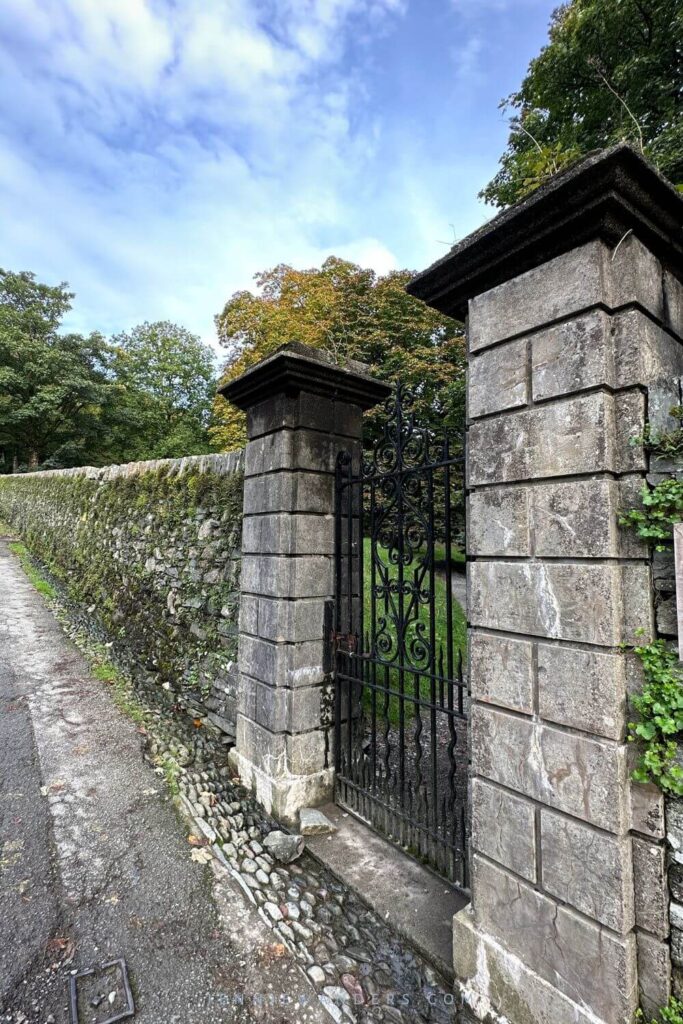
{"type": "Point", "coordinates": [459, 635]}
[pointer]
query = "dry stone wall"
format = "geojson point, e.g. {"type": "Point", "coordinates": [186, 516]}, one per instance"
{"type": "Point", "coordinates": [152, 551]}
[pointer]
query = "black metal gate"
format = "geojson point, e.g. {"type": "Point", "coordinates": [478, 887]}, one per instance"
{"type": "Point", "coordinates": [401, 703]}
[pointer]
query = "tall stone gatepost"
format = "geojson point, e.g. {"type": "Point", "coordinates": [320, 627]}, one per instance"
{"type": "Point", "coordinates": [302, 410]}
{"type": "Point", "coordinates": [571, 299]}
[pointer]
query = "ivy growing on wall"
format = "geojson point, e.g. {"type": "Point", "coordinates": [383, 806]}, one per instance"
{"type": "Point", "coordinates": [660, 709]}
{"type": "Point", "coordinates": [659, 705]}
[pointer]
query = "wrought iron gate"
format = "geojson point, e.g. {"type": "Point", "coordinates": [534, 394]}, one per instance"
{"type": "Point", "coordinates": [401, 705]}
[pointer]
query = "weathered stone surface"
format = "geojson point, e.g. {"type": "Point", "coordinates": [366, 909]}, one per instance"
{"type": "Point", "coordinates": [582, 689]}
{"type": "Point", "coordinates": [632, 274]}
{"type": "Point", "coordinates": [284, 847]}
{"type": "Point", "coordinates": [644, 353]}
{"type": "Point", "coordinates": [594, 603]}
{"type": "Point", "coordinates": [566, 284]}
{"type": "Point", "coordinates": [289, 492]}
{"type": "Point", "coordinates": [571, 356]}
{"type": "Point", "coordinates": [581, 776]}
{"type": "Point", "coordinates": [503, 828]}
{"type": "Point", "coordinates": [501, 671]}
{"type": "Point", "coordinates": [673, 303]}
{"type": "Point", "coordinates": [496, 981]}
{"type": "Point", "coordinates": [282, 709]}
{"type": "Point", "coordinates": [575, 519]}
{"type": "Point", "coordinates": [497, 379]}
{"type": "Point", "coordinates": [647, 809]}
{"type": "Point", "coordinates": [651, 895]}
{"type": "Point", "coordinates": [279, 576]}
{"type": "Point", "coordinates": [629, 425]}
{"type": "Point", "coordinates": [273, 619]}
{"type": "Point", "coordinates": [314, 412]}
{"type": "Point", "coordinates": [282, 664]}
{"type": "Point", "coordinates": [281, 754]}
{"type": "Point", "coordinates": [674, 829]}
{"type": "Point", "coordinates": [498, 521]}
{"type": "Point", "coordinates": [584, 961]}
{"type": "Point", "coordinates": [313, 822]}
{"type": "Point", "coordinates": [290, 450]}
{"type": "Point", "coordinates": [654, 973]}
{"type": "Point", "coordinates": [589, 870]}
{"type": "Point", "coordinates": [515, 447]}
{"type": "Point", "coordinates": [288, 534]}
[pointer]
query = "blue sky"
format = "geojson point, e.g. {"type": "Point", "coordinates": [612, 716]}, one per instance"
{"type": "Point", "coordinates": [157, 153]}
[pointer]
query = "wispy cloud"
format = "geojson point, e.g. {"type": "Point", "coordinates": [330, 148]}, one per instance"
{"type": "Point", "coordinates": [158, 154]}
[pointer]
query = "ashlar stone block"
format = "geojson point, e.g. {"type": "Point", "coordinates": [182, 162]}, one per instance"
{"type": "Point", "coordinates": [516, 446]}
{"type": "Point", "coordinates": [503, 828]}
{"type": "Point", "coordinates": [498, 521]}
{"type": "Point", "coordinates": [497, 379]}
{"type": "Point", "coordinates": [497, 981]}
{"type": "Point", "coordinates": [282, 664]}
{"type": "Point", "coordinates": [501, 671]}
{"type": "Point", "coordinates": [590, 965]}
{"type": "Point", "coordinates": [567, 284]}
{"type": "Point", "coordinates": [287, 577]}
{"type": "Point", "coordinates": [288, 534]}
{"type": "Point", "coordinates": [572, 356]}
{"type": "Point", "coordinates": [289, 492]}
{"type": "Point", "coordinates": [651, 894]}
{"type": "Point", "coordinates": [575, 518]}
{"type": "Point", "coordinates": [280, 621]}
{"type": "Point", "coordinates": [654, 973]}
{"type": "Point", "coordinates": [570, 772]}
{"type": "Point", "coordinates": [588, 869]}
{"type": "Point", "coordinates": [595, 603]}
{"type": "Point", "coordinates": [582, 689]}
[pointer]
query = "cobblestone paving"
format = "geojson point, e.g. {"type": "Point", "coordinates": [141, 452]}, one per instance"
{"type": "Point", "coordinates": [360, 968]}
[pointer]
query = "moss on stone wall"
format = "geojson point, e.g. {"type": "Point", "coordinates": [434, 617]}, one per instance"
{"type": "Point", "coordinates": [152, 550]}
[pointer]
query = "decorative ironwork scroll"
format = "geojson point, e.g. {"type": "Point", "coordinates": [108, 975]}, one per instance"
{"type": "Point", "coordinates": [401, 698]}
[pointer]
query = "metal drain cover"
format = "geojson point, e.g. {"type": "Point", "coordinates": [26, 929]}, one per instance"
{"type": "Point", "coordinates": [101, 995]}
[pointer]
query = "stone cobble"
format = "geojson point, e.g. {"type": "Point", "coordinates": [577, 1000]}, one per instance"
{"type": "Point", "coordinates": [360, 968]}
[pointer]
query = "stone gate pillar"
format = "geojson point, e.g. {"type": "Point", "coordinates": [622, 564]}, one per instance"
{"type": "Point", "coordinates": [570, 298]}
{"type": "Point", "coordinates": [301, 411]}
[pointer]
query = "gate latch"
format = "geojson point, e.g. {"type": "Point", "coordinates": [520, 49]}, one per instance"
{"type": "Point", "coordinates": [345, 642]}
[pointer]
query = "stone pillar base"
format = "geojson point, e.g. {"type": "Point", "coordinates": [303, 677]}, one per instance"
{"type": "Point", "coordinates": [283, 796]}
{"type": "Point", "coordinates": [500, 987]}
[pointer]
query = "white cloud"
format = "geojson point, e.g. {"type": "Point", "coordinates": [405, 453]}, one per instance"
{"type": "Point", "coordinates": [158, 154]}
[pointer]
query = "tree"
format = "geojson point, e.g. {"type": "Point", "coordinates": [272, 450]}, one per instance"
{"type": "Point", "coordinates": [350, 312]}
{"type": "Point", "coordinates": [166, 382]}
{"type": "Point", "coordinates": [612, 71]}
{"type": "Point", "coordinates": [53, 388]}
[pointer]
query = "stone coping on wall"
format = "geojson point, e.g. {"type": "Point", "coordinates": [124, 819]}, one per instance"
{"type": "Point", "coordinates": [607, 195]}
{"type": "Point", "coordinates": [222, 463]}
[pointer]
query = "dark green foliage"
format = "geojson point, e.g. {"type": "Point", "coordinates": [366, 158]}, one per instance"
{"type": "Point", "coordinates": [54, 387]}
{"type": "Point", "coordinates": [611, 71]}
{"type": "Point", "coordinates": [139, 552]}
{"type": "Point", "coordinates": [166, 384]}
{"type": "Point", "coordinates": [660, 709]}
{"type": "Point", "coordinates": [662, 507]}
{"type": "Point", "coordinates": [66, 400]}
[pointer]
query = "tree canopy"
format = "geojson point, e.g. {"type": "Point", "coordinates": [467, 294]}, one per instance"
{"type": "Point", "coordinates": [68, 400]}
{"type": "Point", "coordinates": [166, 383]}
{"type": "Point", "coordinates": [350, 312]}
{"type": "Point", "coordinates": [53, 387]}
{"type": "Point", "coordinates": [611, 71]}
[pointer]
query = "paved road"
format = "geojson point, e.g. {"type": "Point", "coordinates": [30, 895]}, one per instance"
{"type": "Point", "coordinates": [94, 862]}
